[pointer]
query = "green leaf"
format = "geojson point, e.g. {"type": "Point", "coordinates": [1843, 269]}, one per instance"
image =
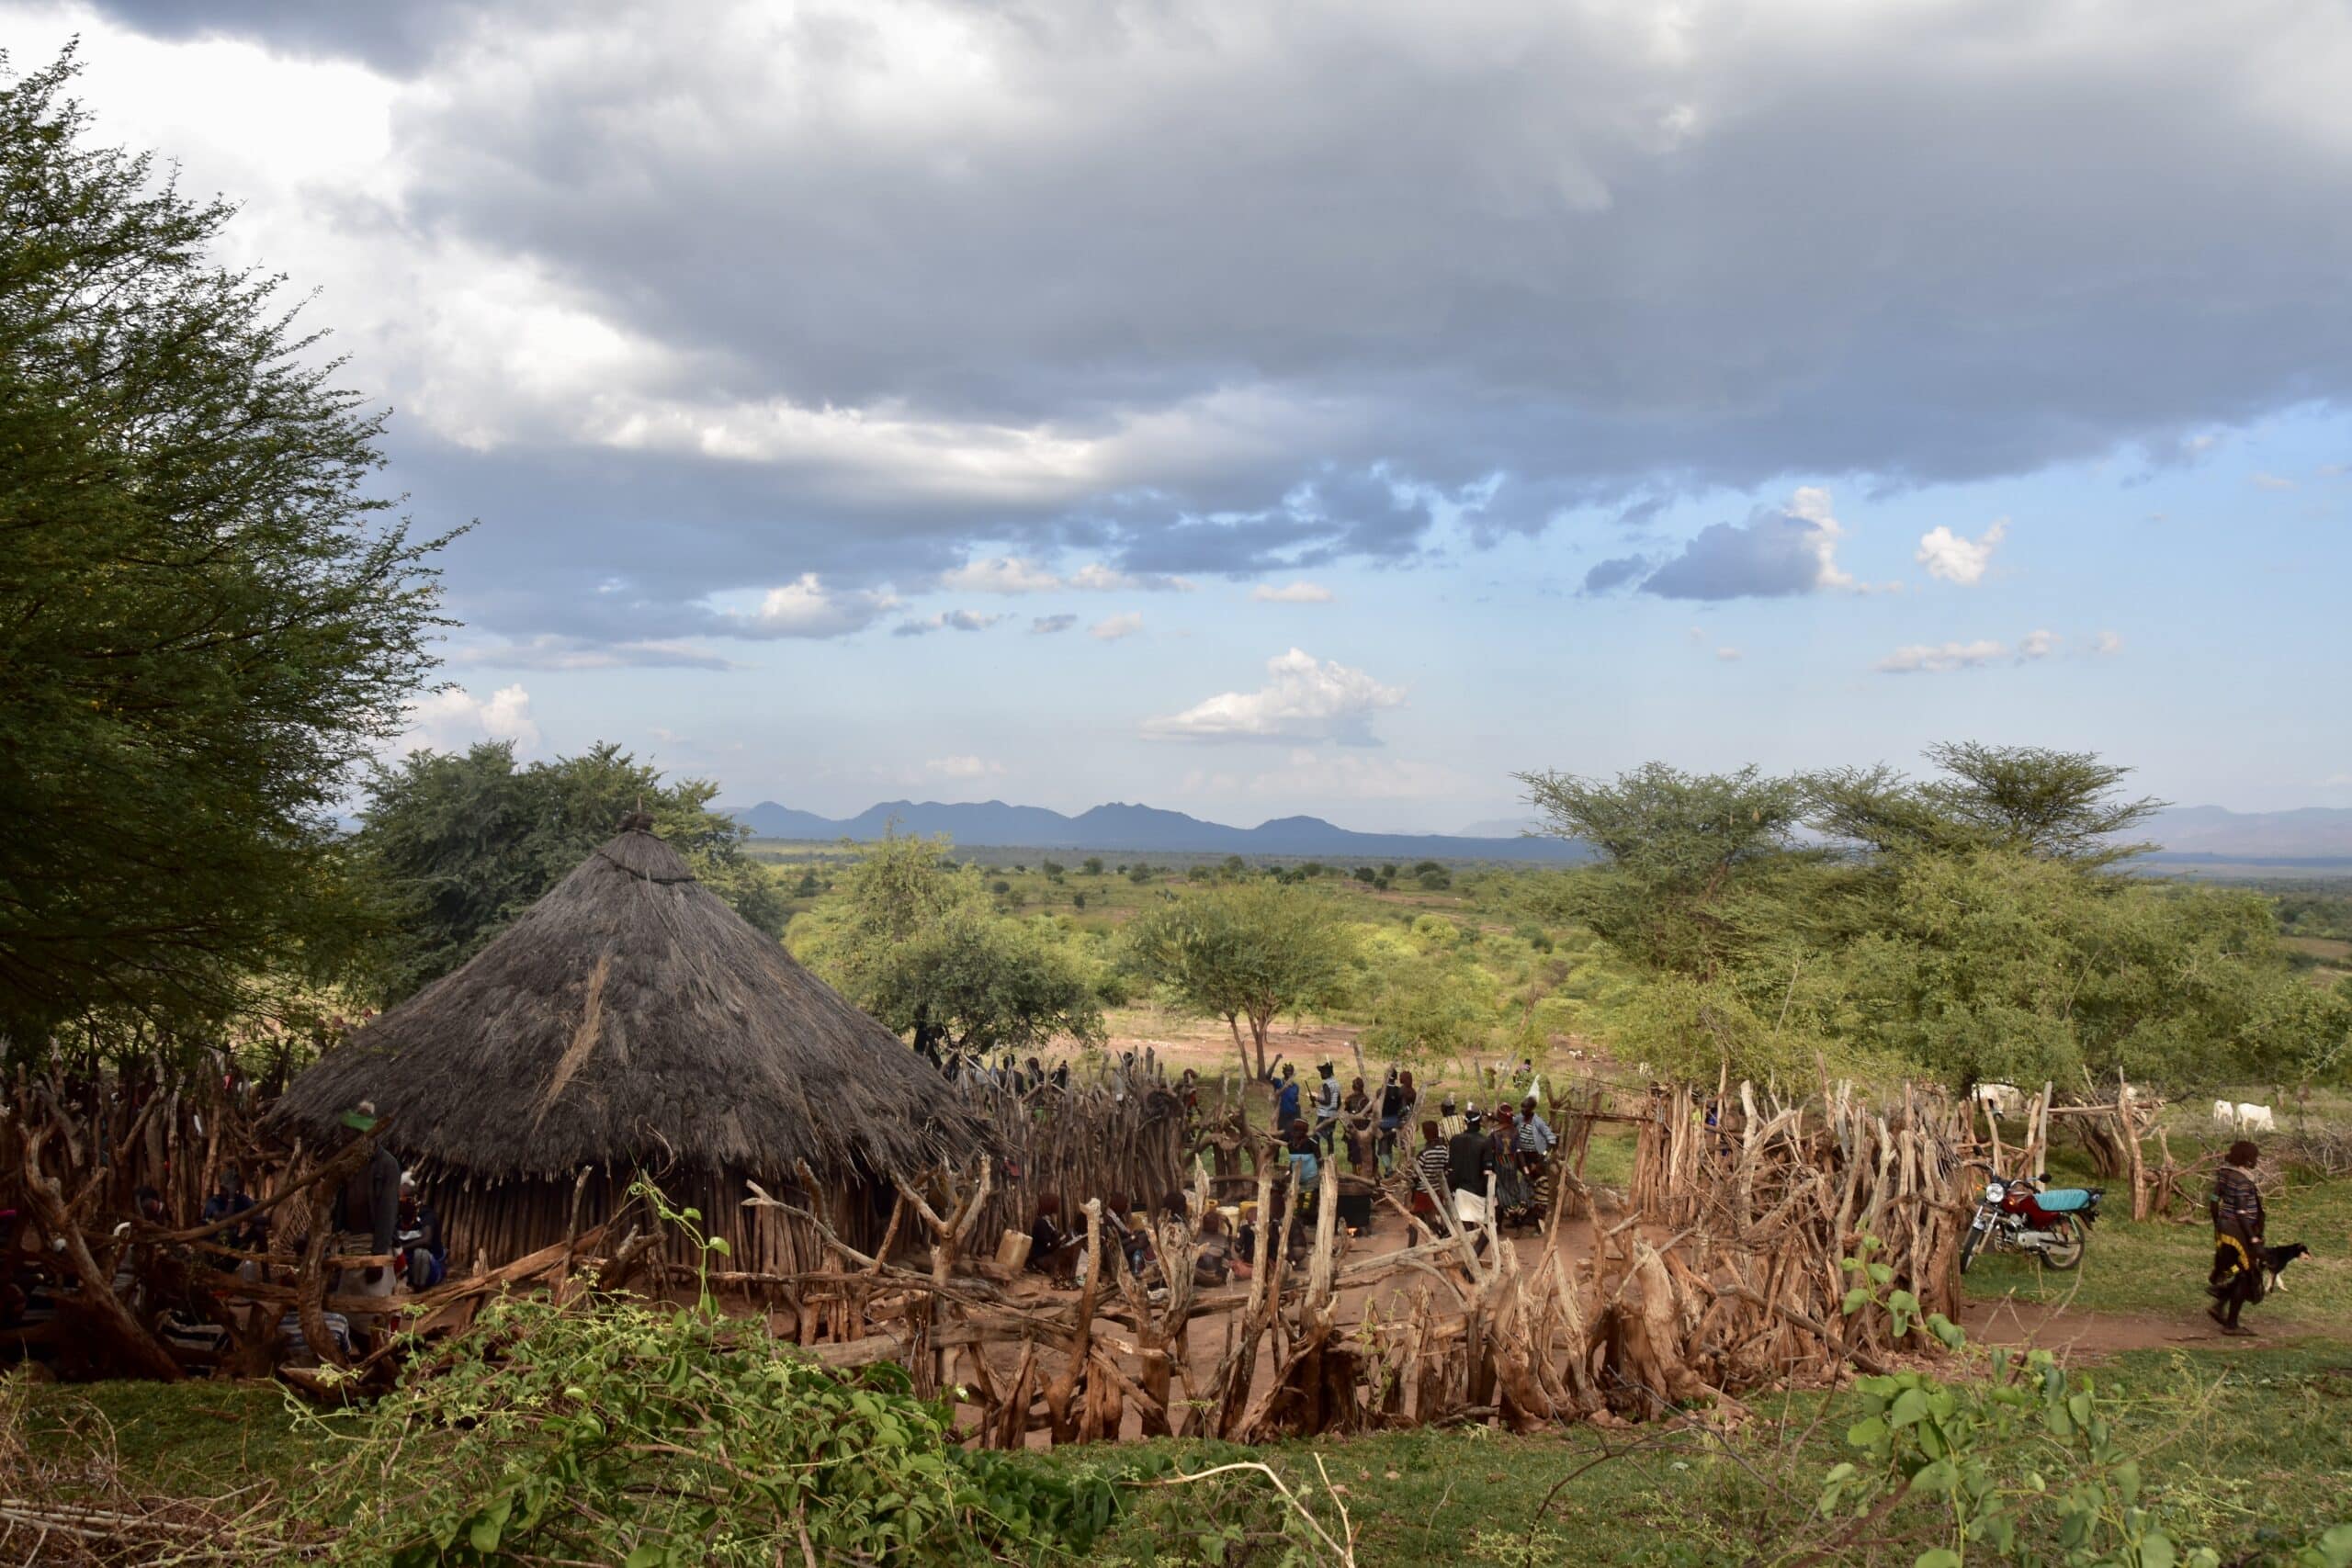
{"type": "Point", "coordinates": [649, 1554]}
{"type": "Point", "coordinates": [1937, 1557]}
{"type": "Point", "coordinates": [1866, 1433]}
{"type": "Point", "coordinates": [1939, 1477]}
{"type": "Point", "coordinates": [490, 1524]}
{"type": "Point", "coordinates": [1909, 1405]}
{"type": "Point", "coordinates": [1855, 1300]}
{"type": "Point", "coordinates": [2127, 1481]}
{"type": "Point", "coordinates": [2156, 1550]}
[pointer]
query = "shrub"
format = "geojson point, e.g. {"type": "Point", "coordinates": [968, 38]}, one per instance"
{"type": "Point", "coordinates": [652, 1437]}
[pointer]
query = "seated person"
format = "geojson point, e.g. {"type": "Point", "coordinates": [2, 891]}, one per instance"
{"type": "Point", "coordinates": [1053, 1250]}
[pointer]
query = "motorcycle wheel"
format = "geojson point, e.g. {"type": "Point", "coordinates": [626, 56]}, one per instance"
{"type": "Point", "coordinates": [1969, 1243]}
{"type": "Point", "coordinates": [2067, 1243]}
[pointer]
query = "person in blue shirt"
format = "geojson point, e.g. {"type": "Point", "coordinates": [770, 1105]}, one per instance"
{"type": "Point", "coordinates": [1286, 1099]}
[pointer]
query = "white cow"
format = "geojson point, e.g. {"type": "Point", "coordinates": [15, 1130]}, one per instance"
{"type": "Point", "coordinates": [2002, 1099]}
{"type": "Point", "coordinates": [2244, 1116]}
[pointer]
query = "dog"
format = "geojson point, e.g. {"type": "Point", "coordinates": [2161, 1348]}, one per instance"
{"type": "Point", "coordinates": [2274, 1264]}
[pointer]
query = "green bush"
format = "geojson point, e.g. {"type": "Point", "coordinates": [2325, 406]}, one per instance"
{"type": "Point", "coordinates": [620, 1432]}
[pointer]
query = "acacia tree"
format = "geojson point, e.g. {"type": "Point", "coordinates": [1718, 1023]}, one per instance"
{"type": "Point", "coordinates": [2061, 806]}
{"type": "Point", "coordinates": [463, 842]}
{"type": "Point", "coordinates": [1249, 951]}
{"type": "Point", "coordinates": [911, 937]}
{"type": "Point", "coordinates": [209, 619]}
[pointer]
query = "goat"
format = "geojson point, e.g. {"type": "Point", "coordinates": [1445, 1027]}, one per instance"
{"type": "Point", "coordinates": [2275, 1260]}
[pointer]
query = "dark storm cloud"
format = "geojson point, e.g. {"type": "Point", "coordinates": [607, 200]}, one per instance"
{"type": "Point", "coordinates": [1287, 278]}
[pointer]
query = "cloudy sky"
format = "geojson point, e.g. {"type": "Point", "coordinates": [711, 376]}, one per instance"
{"type": "Point", "coordinates": [1324, 407]}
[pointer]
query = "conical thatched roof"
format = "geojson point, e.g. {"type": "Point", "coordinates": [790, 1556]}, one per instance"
{"type": "Point", "coordinates": [630, 1017]}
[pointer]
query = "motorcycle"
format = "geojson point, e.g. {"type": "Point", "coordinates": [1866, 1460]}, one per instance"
{"type": "Point", "coordinates": [2018, 1215]}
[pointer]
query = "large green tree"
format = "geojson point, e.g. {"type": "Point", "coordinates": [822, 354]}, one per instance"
{"type": "Point", "coordinates": [912, 938]}
{"type": "Point", "coordinates": [1972, 926]}
{"type": "Point", "coordinates": [209, 618]}
{"type": "Point", "coordinates": [462, 842]}
{"type": "Point", "coordinates": [1244, 952]}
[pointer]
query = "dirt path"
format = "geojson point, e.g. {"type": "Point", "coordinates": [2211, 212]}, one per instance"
{"type": "Point", "coordinates": [2080, 1334]}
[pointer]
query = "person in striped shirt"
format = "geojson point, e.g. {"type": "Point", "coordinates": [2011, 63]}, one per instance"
{"type": "Point", "coordinates": [1429, 1179]}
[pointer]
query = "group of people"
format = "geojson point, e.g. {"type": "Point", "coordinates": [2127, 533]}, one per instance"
{"type": "Point", "coordinates": [1221, 1242]}
{"type": "Point", "coordinates": [379, 1212]}
{"type": "Point", "coordinates": [1368, 1125]}
{"type": "Point", "coordinates": [1465, 1154]}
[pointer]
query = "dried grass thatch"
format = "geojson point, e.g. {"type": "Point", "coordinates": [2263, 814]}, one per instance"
{"type": "Point", "coordinates": [631, 1019]}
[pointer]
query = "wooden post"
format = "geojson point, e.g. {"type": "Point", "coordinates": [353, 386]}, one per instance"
{"type": "Point", "coordinates": [2127, 1118]}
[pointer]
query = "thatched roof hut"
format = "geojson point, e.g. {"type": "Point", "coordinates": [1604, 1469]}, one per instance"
{"type": "Point", "coordinates": [630, 1021]}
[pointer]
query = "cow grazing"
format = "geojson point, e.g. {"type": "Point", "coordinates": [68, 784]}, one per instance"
{"type": "Point", "coordinates": [2255, 1119]}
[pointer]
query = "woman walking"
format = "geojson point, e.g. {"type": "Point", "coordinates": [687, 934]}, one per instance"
{"type": "Point", "coordinates": [2236, 1282]}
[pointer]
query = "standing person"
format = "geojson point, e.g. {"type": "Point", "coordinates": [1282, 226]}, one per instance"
{"type": "Point", "coordinates": [1355, 1121]}
{"type": "Point", "coordinates": [367, 1209]}
{"type": "Point", "coordinates": [1536, 1142]}
{"type": "Point", "coordinates": [1449, 1122]}
{"type": "Point", "coordinates": [1431, 1171]}
{"type": "Point", "coordinates": [1535, 1136]}
{"type": "Point", "coordinates": [1327, 1107]}
{"type": "Point", "coordinates": [2236, 1282]}
{"type": "Point", "coordinates": [1391, 1117]}
{"type": "Point", "coordinates": [423, 1256]}
{"type": "Point", "coordinates": [1286, 1099]}
{"type": "Point", "coordinates": [1469, 1160]}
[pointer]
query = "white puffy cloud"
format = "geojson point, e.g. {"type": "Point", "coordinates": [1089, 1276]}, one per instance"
{"type": "Point", "coordinates": [1729, 655]}
{"type": "Point", "coordinates": [453, 718]}
{"type": "Point", "coordinates": [1919, 656]}
{"type": "Point", "coordinates": [1292, 593]}
{"type": "Point", "coordinates": [2039, 643]}
{"type": "Point", "coordinates": [1954, 559]}
{"type": "Point", "coordinates": [2107, 643]}
{"type": "Point", "coordinates": [805, 607]}
{"type": "Point", "coordinates": [1111, 628]}
{"type": "Point", "coordinates": [1045, 625]}
{"type": "Point", "coordinates": [2273, 481]}
{"type": "Point", "coordinates": [1303, 698]}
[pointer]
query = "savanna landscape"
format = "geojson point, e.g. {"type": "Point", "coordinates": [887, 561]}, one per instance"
{"type": "Point", "coordinates": [432, 1135]}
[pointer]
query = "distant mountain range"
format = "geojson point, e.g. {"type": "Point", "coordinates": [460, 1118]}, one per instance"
{"type": "Point", "coordinates": [2190, 834]}
{"type": "Point", "coordinates": [1141, 830]}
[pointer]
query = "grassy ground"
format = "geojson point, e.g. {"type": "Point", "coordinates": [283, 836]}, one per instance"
{"type": "Point", "coordinates": [2160, 1266]}
{"type": "Point", "coordinates": [2256, 1450]}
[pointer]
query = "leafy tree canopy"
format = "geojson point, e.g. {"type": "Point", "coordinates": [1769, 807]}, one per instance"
{"type": "Point", "coordinates": [463, 842]}
{"type": "Point", "coordinates": [911, 937]}
{"type": "Point", "coordinates": [2058, 805]}
{"type": "Point", "coordinates": [1249, 950]}
{"type": "Point", "coordinates": [208, 620]}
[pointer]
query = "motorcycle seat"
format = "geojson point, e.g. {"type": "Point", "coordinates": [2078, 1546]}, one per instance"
{"type": "Point", "coordinates": [2064, 1200]}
